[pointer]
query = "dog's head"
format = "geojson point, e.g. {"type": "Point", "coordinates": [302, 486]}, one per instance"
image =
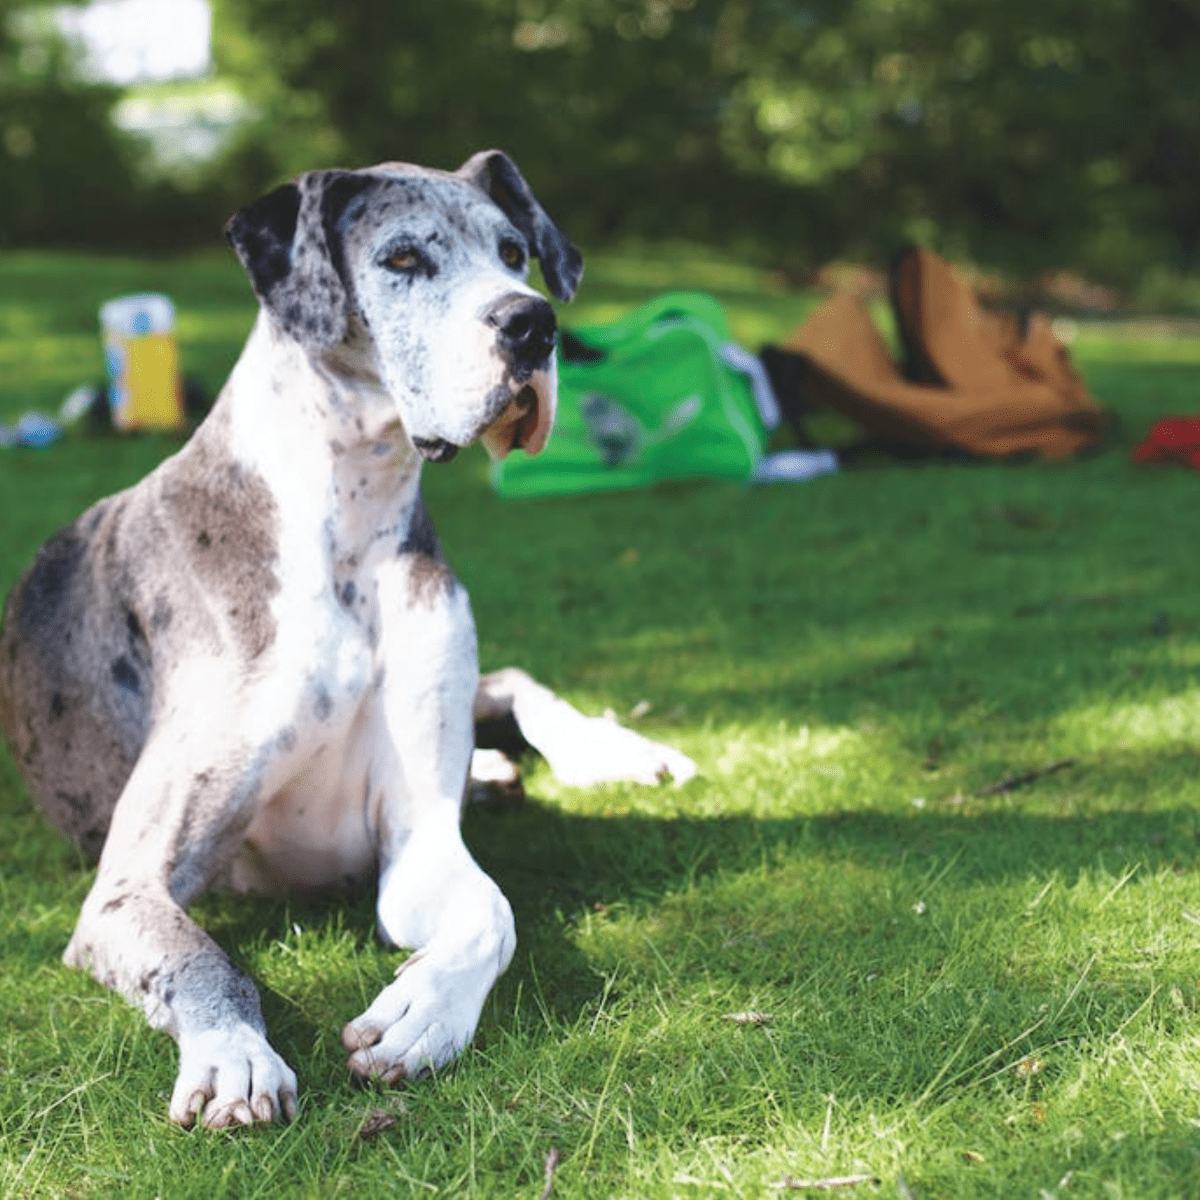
{"type": "Point", "coordinates": [430, 266]}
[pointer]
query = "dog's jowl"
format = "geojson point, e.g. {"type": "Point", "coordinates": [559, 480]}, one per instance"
{"type": "Point", "coordinates": [255, 669]}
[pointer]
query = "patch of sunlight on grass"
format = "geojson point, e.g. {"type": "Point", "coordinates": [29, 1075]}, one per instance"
{"type": "Point", "coordinates": [748, 750]}
{"type": "Point", "coordinates": [1165, 721]}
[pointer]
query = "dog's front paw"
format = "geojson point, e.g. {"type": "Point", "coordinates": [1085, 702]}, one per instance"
{"type": "Point", "coordinates": [420, 1021]}
{"type": "Point", "coordinates": [231, 1077]}
{"type": "Point", "coordinates": [598, 750]}
{"type": "Point", "coordinates": [411, 1027]}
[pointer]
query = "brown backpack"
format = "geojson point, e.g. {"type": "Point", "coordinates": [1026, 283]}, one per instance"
{"type": "Point", "coordinates": [974, 382]}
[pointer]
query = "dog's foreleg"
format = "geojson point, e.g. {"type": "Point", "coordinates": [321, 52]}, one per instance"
{"type": "Point", "coordinates": [580, 750]}
{"type": "Point", "coordinates": [134, 936]}
{"type": "Point", "coordinates": [433, 897]}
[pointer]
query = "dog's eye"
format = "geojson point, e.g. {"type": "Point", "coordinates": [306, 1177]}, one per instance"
{"type": "Point", "coordinates": [513, 255]}
{"type": "Point", "coordinates": [402, 260]}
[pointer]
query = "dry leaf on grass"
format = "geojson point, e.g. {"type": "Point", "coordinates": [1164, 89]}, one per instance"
{"type": "Point", "coordinates": [746, 1018]}
{"type": "Point", "coordinates": [376, 1123]}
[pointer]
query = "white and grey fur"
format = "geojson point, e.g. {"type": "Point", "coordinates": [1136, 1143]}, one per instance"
{"type": "Point", "coordinates": [255, 669]}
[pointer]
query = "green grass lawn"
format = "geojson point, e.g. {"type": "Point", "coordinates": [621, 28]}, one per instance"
{"type": "Point", "coordinates": [959, 992]}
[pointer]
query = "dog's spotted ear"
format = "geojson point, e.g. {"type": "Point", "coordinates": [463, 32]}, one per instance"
{"type": "Point", "coordinates": [496, 174]}
{"type": "Point", "coordinates": [288, 244]}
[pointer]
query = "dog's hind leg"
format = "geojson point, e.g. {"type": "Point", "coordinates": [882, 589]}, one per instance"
{"type": "Point", "coordinates": [580, 750]}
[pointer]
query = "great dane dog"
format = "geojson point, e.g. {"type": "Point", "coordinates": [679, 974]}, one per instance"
{"type": "Point", "coordinates": [255, 669]}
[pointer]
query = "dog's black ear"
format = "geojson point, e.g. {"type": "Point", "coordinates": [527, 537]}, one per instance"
{"type": "Point", "coordinates": [262, 235]}
{"type": "Point", "coordinates": [288, 243]}
{"type": "Point", "coordinates": [496, 174]}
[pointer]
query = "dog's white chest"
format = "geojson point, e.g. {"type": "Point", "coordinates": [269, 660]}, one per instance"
{"type": "Point", "coordinates": [317, 830]}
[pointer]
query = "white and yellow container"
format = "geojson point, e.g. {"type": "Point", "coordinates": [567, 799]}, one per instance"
{"type": "Point", "coordinates": [143, 365]}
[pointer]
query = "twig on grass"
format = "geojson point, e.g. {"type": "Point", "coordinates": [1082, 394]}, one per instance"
{"type": "Point", "coordinates": [835, 1183]}
{"type": "Point", "coordinates": [551, 1166]}
{"type": "Point", "coordinates": [1010, 782]}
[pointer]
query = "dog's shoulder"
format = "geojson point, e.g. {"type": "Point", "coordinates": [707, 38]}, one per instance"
{"type": "Point", "coordinates": [221, 520]}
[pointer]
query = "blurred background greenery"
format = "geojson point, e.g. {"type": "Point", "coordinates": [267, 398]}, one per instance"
{"type": "Point", "coordinates": [1024, 135]}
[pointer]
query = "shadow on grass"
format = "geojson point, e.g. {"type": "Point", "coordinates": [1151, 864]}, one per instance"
{"type": "Point", "coordinates": [813, 913]}
{"type": "Point", "coordinates": [558, 868]}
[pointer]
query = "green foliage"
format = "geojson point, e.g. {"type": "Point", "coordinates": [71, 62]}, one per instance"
{"type": "Point", "coordinates": [609, 108]}
{"type": "Point", "coordinates": [65, 172]}
{"type": "Point", "coordinates": [981, 994]}
{"type": "Point", "coordinates": [69, 177]}
{"type": "Point", "coordinates": [1028, 134]}
{"type": "Point", "coordinates": [1025, 132]}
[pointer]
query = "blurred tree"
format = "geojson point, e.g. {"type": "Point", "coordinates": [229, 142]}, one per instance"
{"type": "Point", "coordinates": [1025, 131]}
{"type": "Point", "coordinates": [611, 106]}
{"type": "Point", "coordinates": [65, 172]}
{"type": "Point", "coordinates": [1033, 131]}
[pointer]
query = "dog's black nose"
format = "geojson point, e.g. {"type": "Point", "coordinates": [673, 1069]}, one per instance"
{"type": "Point", "coordinates": [525, 330]}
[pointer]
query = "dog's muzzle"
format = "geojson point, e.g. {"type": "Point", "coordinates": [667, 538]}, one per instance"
{"type": "Point", "coordinates": [526, 329]}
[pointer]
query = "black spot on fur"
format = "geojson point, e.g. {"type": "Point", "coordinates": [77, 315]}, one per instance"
{"type": "Point", "coordinates": [77, 804]}
{"type": "Point", "coordinates": [125, 676]}
{"type": "Point", "coordinates": [160, 617]}
{"type": "Point", "coordinates": [430, 574]}
{"type": "Point", "coordinates": [420, 537]}
{"type": "Point", "coordinates": [323, 706]}
{"type": "Point", "coordinates": [55, 568]}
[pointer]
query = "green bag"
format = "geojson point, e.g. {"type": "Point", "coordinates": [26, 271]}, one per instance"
{"type": "Point", "coordinates": [659, 402]}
